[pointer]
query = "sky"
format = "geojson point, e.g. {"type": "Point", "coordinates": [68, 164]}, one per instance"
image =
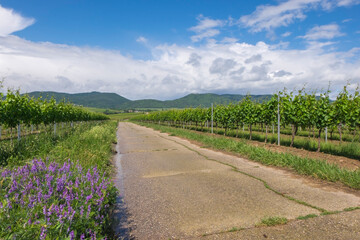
{"type": "Point", "coordinates": [166, 49]}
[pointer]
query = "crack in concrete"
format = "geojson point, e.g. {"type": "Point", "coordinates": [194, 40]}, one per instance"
{"type": "Point", "coordinates": [266, 185]}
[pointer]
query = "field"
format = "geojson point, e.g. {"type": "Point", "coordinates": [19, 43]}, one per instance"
{"type": "Point", "coordinates": [58, 173]}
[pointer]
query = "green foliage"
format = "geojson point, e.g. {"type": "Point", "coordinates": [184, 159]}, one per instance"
{"type": "Point", "coordinates": [20, 109]}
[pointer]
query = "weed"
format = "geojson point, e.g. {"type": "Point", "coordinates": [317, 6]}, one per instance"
{"type": "Point", "coordinates": [235, 229]}
{"type": "Point", "coordinates": [272, 221]}
{"type": "Point", "coordinates": [330, 213]}
{"type": "Point", "coordinates": [306, 217]}
{"type": "Point", "coordinates": [351, 209]}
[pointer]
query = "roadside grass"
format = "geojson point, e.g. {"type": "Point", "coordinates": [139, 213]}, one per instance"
{"type": "Point", "coordinates": [91, 147]}
{"type": "Point", "coordinates": [306, 217]}
{"type": "Point", "coordinates": [346, 149]}
{"type": "Point", "coordinates": [16, 153]}
{"type": "Point", "coordinates": [272, 221]}
{"type": "Point", "coordinates": [304, 166]}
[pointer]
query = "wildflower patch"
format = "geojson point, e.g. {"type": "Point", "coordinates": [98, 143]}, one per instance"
{"type": "Point", "coordinates": [45, 200]}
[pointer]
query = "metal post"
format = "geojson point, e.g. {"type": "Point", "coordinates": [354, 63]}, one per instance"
{"type": "Point", "coordinates": [19, 131]}
{"type": "Point", "coordinates": [212, 118]}
{"type": "Point", "coordinates": [279, 120]}
{"type": "Point", "coordinates": [326, 131]}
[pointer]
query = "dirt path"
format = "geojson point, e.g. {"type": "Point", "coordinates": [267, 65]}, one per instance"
{"type": "Point", "coordinates": [174, 189]}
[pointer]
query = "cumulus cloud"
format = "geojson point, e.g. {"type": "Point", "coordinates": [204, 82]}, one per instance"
{"type": "Point", "coordinates": [281, 73]}
{"type": "Point", "coordinates": [221, 66]}
{"type": "Point", "coordinates": [329, 31]}
{"type": "Point", "coordinates": [194, 60]}
{"type": "Point", "coordinates": [269, 17]}
{"type": "Point", "coordinates": [206, 28]}
{"type": "Point", "coordinates": [254, 58]}
{"type": "Point", "coordinates": [11, 22]}
{"type": "Point", "coordinates": [176, 70]}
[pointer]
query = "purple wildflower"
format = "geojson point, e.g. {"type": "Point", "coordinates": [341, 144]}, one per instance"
{"type": "Point", "coordinates": [72, 235]}
{"type": "Point", "coordinates": [43, 233]}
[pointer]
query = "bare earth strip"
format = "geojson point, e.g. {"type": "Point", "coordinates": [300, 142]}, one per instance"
{"type": "Point", "coordinates": [174, 189]}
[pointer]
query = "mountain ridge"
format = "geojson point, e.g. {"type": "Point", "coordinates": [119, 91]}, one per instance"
{"type": "Point", "coordinates": [117, 102]}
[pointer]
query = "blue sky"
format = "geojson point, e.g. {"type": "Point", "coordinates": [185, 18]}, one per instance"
{"type": "Point", "coordinates": [166, 49]}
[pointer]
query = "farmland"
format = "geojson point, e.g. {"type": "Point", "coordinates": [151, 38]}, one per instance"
{"type": "Point", "coordinates": [47, 145]}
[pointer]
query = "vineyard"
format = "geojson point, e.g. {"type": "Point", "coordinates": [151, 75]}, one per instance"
{"type": "Point", "coordinates": [18, 111]}
{"type": "Point", "coordinates": [302, 116]}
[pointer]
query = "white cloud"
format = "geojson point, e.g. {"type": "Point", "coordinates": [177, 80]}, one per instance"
{"type": "Point", "coordinates": [176, 70]}
{"type": "Point", "coordinates": [329, 31]}
{"type": "Point", "coordinates": [269, 17]}
{"type": "Point", "coordinates": [206, 34]}
{"type": "Point", "coordinates": [346, 3]}
{"type": "Point", "coordinates": [205, 23]}
{"type": "Point", "coordinates": [206, 28]}
{"type": "Point", "coordinates": [286, 34]}
{"type": "Point", "coordinates": [142, 39]}
{"type": "Point", "coordinates": [11, 21]}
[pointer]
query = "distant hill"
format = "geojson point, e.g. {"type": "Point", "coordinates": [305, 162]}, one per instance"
{"type": "Point", "coordinates": [115, 101]}
{"type": "Point", "coordinates": [192, 100]}
{"type": "Point", "coordinates": [92, 99]}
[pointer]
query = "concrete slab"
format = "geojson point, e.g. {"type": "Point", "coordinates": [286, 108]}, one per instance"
{"type": "Point", "coordinates": [173, 190]}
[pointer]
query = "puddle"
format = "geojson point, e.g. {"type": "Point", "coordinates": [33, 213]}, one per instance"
{"type": "Point", "coordinates": [120, 217]}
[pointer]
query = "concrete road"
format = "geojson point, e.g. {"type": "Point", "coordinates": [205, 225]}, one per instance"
{"type": "Point", "coordinates": [176, 190]}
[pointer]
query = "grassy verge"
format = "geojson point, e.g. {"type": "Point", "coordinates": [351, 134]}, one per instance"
{"type": "Point", "coordinates": [346, 149]}
{"type": "Point", "coordinates": [305, 166]}
{"type": "Point", "coordinates": [17, 153]}
{"type": "Point", "coordinates": [67, 196]}
{"type": "Point", "coordinates": [91, 148]}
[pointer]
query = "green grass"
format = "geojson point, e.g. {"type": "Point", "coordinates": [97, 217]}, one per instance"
{"type": "Point", "coordinates": [272, 221]}
{"type": "Point", "coordinates": [346, 149]}
{"type": "Point", "coordinates": [306, 217]}
{"type": "Point", "coordinates": [16, 152]}
{"type": "Point", "coordinates": [91, 148]}
{"type": "Point", "coordinates": [90, 143]}
{"type": "Point", "coordinates": [304, 166]}
{"type": "Point", "coordinates": [351, 209]}
{"type": "Point", "coordinates": [102, 110]}
{"type": "Point", "coordinates": [330, 213]}
{"type": "Point", "coordinates": [124, 116]}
